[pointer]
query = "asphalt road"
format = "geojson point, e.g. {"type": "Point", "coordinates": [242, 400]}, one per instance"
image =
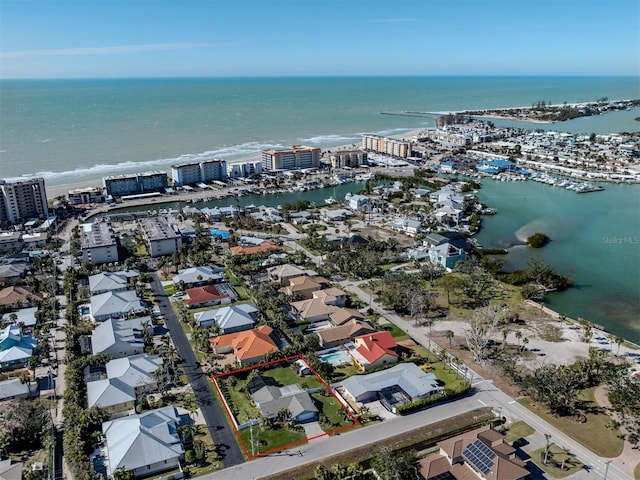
{"type": "Point", "coordinates": [215, 417]}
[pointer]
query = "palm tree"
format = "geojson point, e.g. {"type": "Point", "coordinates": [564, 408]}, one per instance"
{"type": "Point", "coordinates": [567, 454]}
{"type": "Point", "coordinates": [449, 334]}
{"type": "Point", "coordinates": [505, 334]}
{"type": "Point", "coordinates": [547, 438]}
{"type": "Point", "coordinates": [518, 337]}
{"type": "Point", "coordinates": [619, 341]}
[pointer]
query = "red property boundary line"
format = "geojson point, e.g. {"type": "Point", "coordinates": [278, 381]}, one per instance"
{"type": "Point", "coordinates": [291, 358]}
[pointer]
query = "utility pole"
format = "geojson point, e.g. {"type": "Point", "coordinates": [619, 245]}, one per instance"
{"type": "Point", "coordinates": [606, 469]}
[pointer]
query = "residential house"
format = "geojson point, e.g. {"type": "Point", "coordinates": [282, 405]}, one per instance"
{"type": "Point", "coordinates": [15, 347]}
{"type": "Point", "coordinates": [112, 395]}
{"type": "Point", "coordinates": [322, 304]}
{"type": "Point", "coordinates": [339, 335]}
{"type": "Point", "coordinates": [400, 384]}
{"type": "Point", "coordinates": [253, 249]}
{"type": "Point", "coordinates": [344, 315]}
{"type": "Point", "coordinates": [304, 286]}
{"type": "Point", "coordinates": [111, 281]}
{"type": "Point", "coordinates": [357, 202]}
{"type": "Point", "coordinates": [25, 317]}
{"type": "Point", "coordinates": [283, 273]}
{"type": "Point", "coordinates": [13, 272]}
{"type": "Point", "coordinates": [16, 296]}
{"type": "Point", "coordinates": [231, 319]}
{"type": "Point", "coordinates": [374, 350]}
{"type": "Point", "coordinates": [144, 444]}
{"type": "Point", "coordinates": [248, 346]}
{"type": "Point", "coordinates": [118, 304]}
{"type": "Point", "coordinates": [120, 338]}
{"type": "Point", "coordinates": [271, 399]}
{"type": "Point", "coordinates": [206, 296]}
{"type": "Point", "coordinates": [447, 248]}
{"type": "Point", "coordinates": [13, 389]}
{"type": "Point", "coordinates": [136, 371]}
{"type": "Point", "coordinates": [481, 453]}
{"type": "Point", "coordinates": [335, 215]}
{"type": "Point", "coordinates": [198, 276]}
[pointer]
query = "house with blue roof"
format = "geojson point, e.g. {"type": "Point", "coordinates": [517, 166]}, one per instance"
{"type": "Point", "coordinates": [15, 348]}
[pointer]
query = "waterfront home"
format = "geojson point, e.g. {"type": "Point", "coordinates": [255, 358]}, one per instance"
{"type": "Point", "coordinates": [358, 202]}
{"type": "Point", "coordinates": [271, 399]}
{"type": "Point", "coordinates": [206, 296]}
{"type": "Point", "coordinates": [447, 248]}
{"type": "Point", "coordinates": [400, 384]}
{"type": "Point", "coordinates": [337, 215]}
{"type": "Point", "coordinates": [111, 281]}
{"type": "Point", "coordinates": [117, 304]}
{"type": "Point", "coordinates": [248, 346]}
{"type": "Point", "coordinates": [481, 453]}
{"type": "Point", "coordinates": [144, 444]}
{"type": "Point", "coordinates": [374, 350]}
{"type": "Point", "coordinates": [198, 276]}
{"type": "Point", "coordinates": [231, 319]}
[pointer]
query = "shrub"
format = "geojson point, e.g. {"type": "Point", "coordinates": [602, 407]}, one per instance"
{"type": "Point", "coordinates": [537, 240]}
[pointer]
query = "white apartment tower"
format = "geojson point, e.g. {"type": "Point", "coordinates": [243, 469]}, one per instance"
{"type": "Point", "coordinates": [21, 200]}
{"type": "Point", "coordinates": [296, 157]}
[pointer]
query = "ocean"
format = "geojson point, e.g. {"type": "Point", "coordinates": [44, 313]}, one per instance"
{"type": "Point", "coordinates": [79, 130]}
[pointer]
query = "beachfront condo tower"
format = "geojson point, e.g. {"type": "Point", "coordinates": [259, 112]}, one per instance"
{"type": "Point", "coordinates": [22, 199]}
{"type": "Point", "coordinates": [294, 158]}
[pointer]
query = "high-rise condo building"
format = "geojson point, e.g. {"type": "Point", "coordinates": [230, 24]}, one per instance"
{"type": "Point", "coordinates": [296, 157]}
{"type": "Point", "coordinates": [387, 146]}
{"type": "Point", "coordinates": [22, 199]}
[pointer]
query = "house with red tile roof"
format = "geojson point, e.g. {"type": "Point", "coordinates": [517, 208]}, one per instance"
{"type": "Point", "coordinates": [251, 249]}
{"type": "Point", "coordinates": [15, 295]}
{"type": "Point", "coordinates": [374, 350]}
{"type": "Point", "coordinates": [248, 346]}
{"type": "Point", "coordinates": [481, 453]}
{"type": "Point", "coordinates": [206, 296]}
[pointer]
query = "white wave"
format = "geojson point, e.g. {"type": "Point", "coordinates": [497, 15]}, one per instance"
{"type": "Point", "coordinates": [320, 139]}
{"type": "Point", "coordinates": [226, 152]}
{"type": "Point", "coordinates": [46, 140]}
{"type": "Point", "coordinates": [394, 131]}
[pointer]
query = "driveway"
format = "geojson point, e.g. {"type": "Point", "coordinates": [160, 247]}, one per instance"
{"type": "Point", "coordinates": [312, 429]}
{"type": "Point", "coordinates": [214, 416]}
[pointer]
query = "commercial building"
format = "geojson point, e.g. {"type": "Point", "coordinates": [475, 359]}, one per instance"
{"type": "Point", "coordinates": [388, 146]}
{"type": "Point", "coordinates": [98, 243]}
{"type": "Point", "coordinates": [85, 196]}
{"type": "Point", "coordinates": [131, 184]}
{"type": "Point", "coordinates": [21, 200]}
{"type": "Point", "coordinates": [161, 238]}
{"type": "Point", "coordinates": [348, 158]}
{"type": "Point", "coordinates": [195, 172]}
{"type": "Point", "coordinates": [296, 157]}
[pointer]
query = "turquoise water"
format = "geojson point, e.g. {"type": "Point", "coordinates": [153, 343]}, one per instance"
{"type": "Point", "coordinates": [595, 238]}
{"type": "Point", "coordinates": [78, 130]}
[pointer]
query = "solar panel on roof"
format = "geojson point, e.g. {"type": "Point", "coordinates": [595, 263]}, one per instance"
{"type": "Point", "coordinates": [480, 456]}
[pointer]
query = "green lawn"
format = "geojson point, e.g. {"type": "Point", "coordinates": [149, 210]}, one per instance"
{"type": "Point", "coordinates": [345, 371]}
{"type": "Point", "coordinates": [554, 461]}
{"type": "Point", "coordinates": [396, 332]}
{"type": "Point", "coordinates": [594, 434]}
{"type": "Point", "coordinates": [270, 439]}
{"type": "Point", "coordinates": [169, 289]}
{"type": "Point", "coordinates": [518, 430]}
{"type": "Point", "coordinates": [332, 408]}
{"type": "Point", "coordinates": [242, 293]}
{"type": "Point", "coordinates": [240, 404]}
{"type": "Point", "coordinates": [286, 376]}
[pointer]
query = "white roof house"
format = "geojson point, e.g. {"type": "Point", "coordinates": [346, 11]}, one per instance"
{"type": "Point", "coordinates": [26, 317]}
{"type": "Point", "coordinates": [136, 370]}
{"type": "Point", "coordinates": [119, 338]}
{"type": "Point", "coordinates": [110, 281]}
{"type": "Point", "coordinates": [408, 377]}
{"type": "Point", "coordinates": [115, 305]}
{"type": "Point", "coordinates": [144, 444]}
{"type": "Point", "coordinates": [111, 394]}
{"type": "Point", "coordinates": [234, 318]}
{"type": "Point", "coordinates": [199, 275]}
{"type": "Point", "coordinates": [13, 388]}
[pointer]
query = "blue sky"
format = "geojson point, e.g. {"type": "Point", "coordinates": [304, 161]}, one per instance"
{"type": "Point", "coordinates": [149, 38]}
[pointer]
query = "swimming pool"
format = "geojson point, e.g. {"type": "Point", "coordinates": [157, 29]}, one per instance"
{"type": "Point", "coordinates": [335, 358]}
{"type": "Point", "coordinates": [85, 310]}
